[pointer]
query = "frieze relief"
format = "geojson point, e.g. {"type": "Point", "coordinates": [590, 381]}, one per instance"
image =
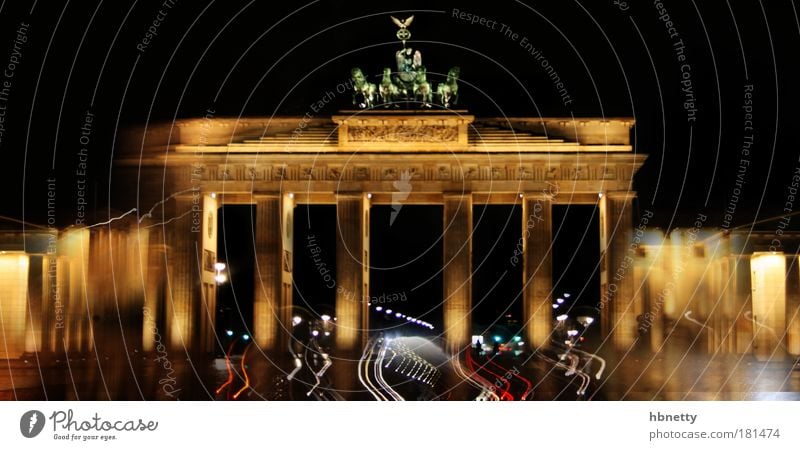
{"type": "Point", "coordinates": [418, 172]}
{"type": "Point", "coordinates": [402, 133]}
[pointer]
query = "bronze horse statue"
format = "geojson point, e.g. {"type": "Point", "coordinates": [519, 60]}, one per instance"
{"type": "Point", "coordinates": [363, 91]}
{"type": "Point", "coordinates": [447, 92]}
{"type": "Point", "coordinates": [423, 91]}
{"type": "Point", "coordinates": [387, 90]}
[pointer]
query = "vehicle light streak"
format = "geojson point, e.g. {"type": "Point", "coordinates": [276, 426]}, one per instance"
{"type": "Point", "coordinates": [459, 371]}
{"type": "Point", "coordinates": [593, 356]}
{"type": "Point", "coordinates": [244, 371]}
{"type": "Point", "coordinates": [504, 395]}
{"type": "Point", "coordinates": [585, 379]}
{"type": "Point", "coordinates": [228, 367]}
{"type": "Point", "coordinates": [363, 372]}
{"type": "Point", "coordinates": [378, 369]}
{"type": "Point", "coordinates": [528, 384]}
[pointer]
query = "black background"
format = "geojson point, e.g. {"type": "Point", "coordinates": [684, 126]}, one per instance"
{"type": "Point", "coordinates": [263, 58]}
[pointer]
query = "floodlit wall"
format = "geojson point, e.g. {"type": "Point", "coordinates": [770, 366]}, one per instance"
{"type": "Point", "coordinates": [768, 275]}
{"type": "Point", "coordinates": [720, 290]}
{"type": "Point", "coordinates": [13, 303]}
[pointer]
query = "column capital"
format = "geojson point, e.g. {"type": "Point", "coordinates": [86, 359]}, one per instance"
{"type": "Point", "coordinates": [620, 195]}
{"type": "Point", "coordinates": [351, 194]}
{"type": "Point", "coordinates": [267, 195]}
{"type": "Point", "coordinates": [538, 195]}
{"type": "Point", "coordinates": [456, 194]}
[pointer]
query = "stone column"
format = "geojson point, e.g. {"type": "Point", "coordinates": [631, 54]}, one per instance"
{"type": "Point", "coordinates": [715, 298]}
{"type": "Point", "coordinates": [728, 307]}
{"type": "Point", "coordinates": [272, 302]}
{"type": "Point", "coordinates": [768, 284]}
{"type": "Point", "coordinates": [537, 272]}
{"type": "Point", "coordinates": [53, 296]}
{"type": "Point", "coordinates": [457, 269]}
{"type": "Point", "coordinates": [208, 307]}
{"type": "Point", "coordinates": [75, 246]}
{"type": "Point", "coordinates": [185, 260]}
{"type": "Point", "coordinates": [102, 300]}
{"type": "Point", "coordinates": [154, 284]}
{"type": "Point", "coordinates": [650, 282]}
{"type": "Point", "coordinates": [352, 270]}
{"type": "Point", "coordinates": [743, 327]}
{"type": "Point", "coordinates": [33, 328]}
{"type": "Point", "coordinates": [725, 292]}
{"type": "Point", "coordinates": [618, 312]}
{"type": "Point", "coordinates": [793, 306]}
{"type": "Point", "coordinates": [287, 277]}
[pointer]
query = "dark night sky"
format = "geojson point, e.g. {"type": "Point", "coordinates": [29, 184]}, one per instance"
{"type": "Point", "coordinates": [266, 57]}
{"type": "Point", "coordinates": [259, 58]}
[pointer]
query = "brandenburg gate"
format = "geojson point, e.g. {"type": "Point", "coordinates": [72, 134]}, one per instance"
{"type": "Point", "coordinates": [188, 169]}
{"type": "Point", "coordinates": [405, 142]}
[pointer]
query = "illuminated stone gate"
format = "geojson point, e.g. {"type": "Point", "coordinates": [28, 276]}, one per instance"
{"type": "Point", "coordinates": [149, 271]}
{"type": "Point", "coordinates": [352, 161]}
